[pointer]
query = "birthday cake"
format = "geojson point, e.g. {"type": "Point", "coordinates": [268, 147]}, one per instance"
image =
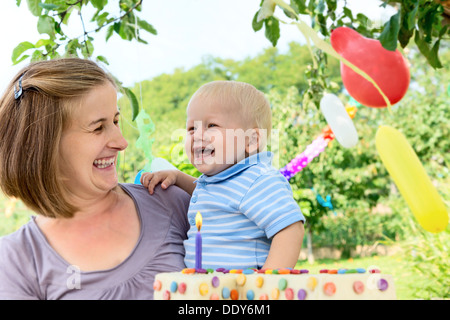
{"type": "Point", "coordinates": [279, 284]}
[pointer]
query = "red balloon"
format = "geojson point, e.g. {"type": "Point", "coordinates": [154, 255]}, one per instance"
{"type": "Point", "coordinates": [388, 69]}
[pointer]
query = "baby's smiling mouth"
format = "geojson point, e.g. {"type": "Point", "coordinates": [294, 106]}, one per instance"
{"type": "Point", "coordinates": [204, 152]}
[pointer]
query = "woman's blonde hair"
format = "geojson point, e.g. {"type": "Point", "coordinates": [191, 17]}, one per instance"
{"type": "Point", "coordinates": [252, 104]}
{"type": "Point", "coordinates": [31, 125]}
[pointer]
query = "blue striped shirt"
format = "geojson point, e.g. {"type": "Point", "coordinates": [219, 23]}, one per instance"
{"type": "Point", "coordinates": [242, 208]}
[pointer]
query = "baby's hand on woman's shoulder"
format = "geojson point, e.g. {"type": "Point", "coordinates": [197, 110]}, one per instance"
{"type": "Point", "coordinates": [165, 177]}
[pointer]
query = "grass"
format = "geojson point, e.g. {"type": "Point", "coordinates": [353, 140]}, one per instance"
{"type": "Point", "coordinates": [407, 280]}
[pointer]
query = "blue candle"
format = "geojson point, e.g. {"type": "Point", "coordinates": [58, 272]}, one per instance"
{"type": "Point", "coordinates": [198, 241]}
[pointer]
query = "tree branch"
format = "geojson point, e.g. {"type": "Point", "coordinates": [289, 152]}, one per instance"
{"type": "Point", "coordinates": [121, 17]}
{"type": "Point", "coordinates": [84, 33]}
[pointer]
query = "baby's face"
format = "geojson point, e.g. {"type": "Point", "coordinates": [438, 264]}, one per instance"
{"type": "Point", "coordinates": [215, 137]}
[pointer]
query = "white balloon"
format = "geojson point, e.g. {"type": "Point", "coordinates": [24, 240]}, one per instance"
{"type": "Point", "coordinates": [339, 121]}
{"type": "Point", "coordinates": [159, 164]}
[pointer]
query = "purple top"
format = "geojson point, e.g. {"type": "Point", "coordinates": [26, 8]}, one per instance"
{"type": "Point", "coordinates": [31, 269]}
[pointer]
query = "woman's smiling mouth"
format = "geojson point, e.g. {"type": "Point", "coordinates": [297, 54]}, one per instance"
{"type": "Point", "coordinates": [104, 162]}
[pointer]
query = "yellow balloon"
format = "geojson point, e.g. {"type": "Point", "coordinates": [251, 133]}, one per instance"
{"type": "Point", "coordinates": [411, 179]}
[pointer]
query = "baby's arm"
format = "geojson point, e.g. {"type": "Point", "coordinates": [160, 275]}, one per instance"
{"type": "Point", "coordinates": [168, 178]}
{"type": "Point", "coordinates": [285, 248]}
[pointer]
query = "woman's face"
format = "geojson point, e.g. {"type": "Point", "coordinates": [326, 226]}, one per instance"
{"type": "Point", "coordinates": [90, 145]}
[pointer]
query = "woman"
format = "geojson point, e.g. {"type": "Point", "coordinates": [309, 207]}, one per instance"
{"type": "Point", "coordinates": [92, 238]}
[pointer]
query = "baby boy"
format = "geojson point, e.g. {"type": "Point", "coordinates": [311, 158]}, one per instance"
{"type": "Point", "coordinates": [250, 219]}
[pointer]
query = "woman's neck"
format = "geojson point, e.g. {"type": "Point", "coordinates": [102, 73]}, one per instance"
{"type": "Point", "coordinates": [91, 210]}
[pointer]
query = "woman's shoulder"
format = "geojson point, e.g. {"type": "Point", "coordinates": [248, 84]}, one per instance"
{"type": "Point", "coordinates": [21, 247]}
{"type": "Point", "coordinates": [18, 260]}
{"type": "Point", "coordinates": [19, 239]}
{"type": "Point", "coordinates": [172, 197]}
{"type": "Point", "coordinates": [171, 203]}
{"type": "Point", "coordinates": [164, 226]}
{"type": "Point", "coordinates": [141, 191]}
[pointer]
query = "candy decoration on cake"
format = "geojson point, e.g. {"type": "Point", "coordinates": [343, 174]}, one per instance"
{"type": "Point", "coordinates": [358, 287]}
{"type": "Point", "coordinates": [198, 241]}
{"type": "Point", "coordinates": [274, 284]}
{"type": "Point", "coordinates": [389, 69]}
{"type": "Point", "coordinates": [339, 120]}
{"type": "Point", "coordinates": [411, 179]}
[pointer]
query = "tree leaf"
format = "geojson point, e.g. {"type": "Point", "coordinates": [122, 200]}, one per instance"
{"type": "Point", "coordinates": [408, 20]}
{"type": "Point", "coordinates": [109, 32]}
{"type": "Point", "coordinates": [410, 16]}
{"type": "Point", "coordinates": [25, 56]}
{"type": "Point", "coordinates": [33, 6]}
{"type": "Point", "coordinates": [332, 5]}
{"type": "Point", "coordinates": [348, 13]}
{"type": "Point", "coordinates": [21, 48]}
{"type": "Point", "coordinates": [43, 42]}
{"type": "Point", "coordinates": [103, 59]}
{"type": "Point", "coordinates": [67, 16]}
{"type": "Point", "coordinates": [389, 36]}
{"type": "Point", "coordinates": [404, 35]}
{"type": "Point", "coordinates": [99, 4]}
{"type": "Point", "coordinates": [87, 48]}
{"type": "Point", "coordinates": [72, 46]}
{"type": "Point", "coordinates": [117, 26]}
{"type": "Point", "coordinates": [37, 56]}
{"type": "Point", "coordinates": [46, 24]}
{"type": "Point", "coordinates": [255, 24]}
{"type": "Point", "coordinates": [272, 30]}
{"type": "Point", "coordinates": [434, 55]}
{"type": "Point", "coordinates": [320, 7]}
{"type": "Point", "coordinates": [48, 6]}
{"type": "Point", "coordinates": [139, 39]}
{"type": "Point", "coordinates": [133, 101]}
{"type": "Point", "coordinates": [147, 26]}
{"type": "Point", "coordinates": [424, 48]}
{"type": "Point", "coordinates": [102, 19]}
{"type": "Point", "coordinates": [299, 6]}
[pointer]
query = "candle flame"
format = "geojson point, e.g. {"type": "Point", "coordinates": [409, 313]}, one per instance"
{"type": "Point", "coordinates": [198, 220]}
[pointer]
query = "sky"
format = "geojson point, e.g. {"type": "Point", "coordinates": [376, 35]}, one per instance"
{"type": "Point", "coordinates": [188, 30]}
